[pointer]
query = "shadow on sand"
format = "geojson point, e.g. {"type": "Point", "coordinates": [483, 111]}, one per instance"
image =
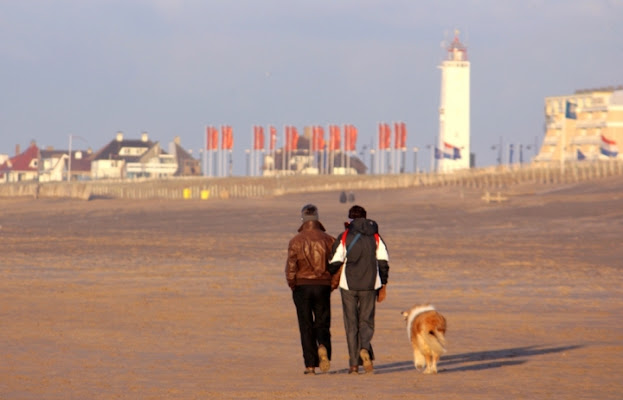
{"type": "Point", "coordinates": [478, 360]}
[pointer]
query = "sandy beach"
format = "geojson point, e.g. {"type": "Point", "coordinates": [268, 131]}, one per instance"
{"type": "Point", "coordinates": [107, 299]}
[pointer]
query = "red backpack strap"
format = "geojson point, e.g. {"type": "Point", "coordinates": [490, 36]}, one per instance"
{"type": "Point", "coordinates": [376, 237]}
{"type": "Point", "coordinates": [344, 238]}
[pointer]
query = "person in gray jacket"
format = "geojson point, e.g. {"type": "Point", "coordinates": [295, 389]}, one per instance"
{"type": "Point", "coordinates": [363, 280]}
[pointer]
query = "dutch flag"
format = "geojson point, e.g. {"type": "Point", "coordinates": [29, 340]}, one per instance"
{"type": "Point", "coordinates": [451, 152]}
{"type": "Point", "coordinates": [608, 147]}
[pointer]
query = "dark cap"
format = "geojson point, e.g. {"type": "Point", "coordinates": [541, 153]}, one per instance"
{"type": "Point", "coordinates": [356, 212]}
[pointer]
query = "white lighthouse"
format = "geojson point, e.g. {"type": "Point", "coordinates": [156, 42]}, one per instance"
{"type": "Point", "coordinates": [453, 152]}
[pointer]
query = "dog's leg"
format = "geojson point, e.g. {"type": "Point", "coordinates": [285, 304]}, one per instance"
{"type": "Point", "coordinates": [429, 362]}
{"type": "Point", "coordinates": [435, 359]}
{"type": "Point", "coordinates": [418, 360]}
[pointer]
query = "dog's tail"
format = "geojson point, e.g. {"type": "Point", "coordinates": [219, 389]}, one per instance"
{"type": "Point", "coordinates": [436, 340]}
{"type": "Point", "coordinates": [441, 338]}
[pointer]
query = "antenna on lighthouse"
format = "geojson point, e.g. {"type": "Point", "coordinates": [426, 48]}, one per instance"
{"type": "Point", "coordinates": [457, 50]}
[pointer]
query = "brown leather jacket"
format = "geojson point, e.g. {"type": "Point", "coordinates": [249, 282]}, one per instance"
{"type": "Point", "coordinates": [309, 253]}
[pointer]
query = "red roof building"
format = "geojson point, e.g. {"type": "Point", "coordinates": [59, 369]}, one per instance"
{"type": "Point", "coordinates": [22, 167]}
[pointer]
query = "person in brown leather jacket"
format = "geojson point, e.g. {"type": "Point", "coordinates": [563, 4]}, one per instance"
{"type": "Point", "coordinates": [311, 283]}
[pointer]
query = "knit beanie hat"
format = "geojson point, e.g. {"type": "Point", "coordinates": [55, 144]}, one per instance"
{"type": "Point", "coordinates": [309, 213]}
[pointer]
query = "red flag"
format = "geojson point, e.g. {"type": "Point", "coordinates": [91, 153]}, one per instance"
{"type": "Point", "coordinates": [211, 138]}
{"type": "Point", "coordinates": [317, 138]}
{"type": "Point", "coordinates": [295, 138]}
{"type": "Point", "coordinates": [273, 138]}
{"type": "Point", "coordinates": [350, 138]}
{"type": "Point", "coordinates": [400, 135]}
{"type": "Point", "coordinates": [214, 138]}
{"type": "Point", "coordinates": [227, 135]}
{"type": "Point", "coordinates": [255, 137]}
{"type": "Point", "coordinates": [334, 137]}
{"type": "Point", "coordinates": [223, 136]}
{"type": "Point", "coordinates": [208, 138]}
{"type": "Point", "coordinates": [292, 138]}
{"type": "Point", "coordinates": [385, 136]}
{"type": "Point", "coordinates": [287, 145]}
{"type": "Point", "coordinates": [403, 136]}
{"type": "Point", "coordinates": [314, 138]}
{"type": "Point", "coordinates": [396, 135]}
{"type": "Point", "coordinates": [258, 138]}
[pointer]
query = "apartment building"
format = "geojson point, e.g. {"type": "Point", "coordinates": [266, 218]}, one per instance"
{"type": "Point", "coordinates": [584, 126]}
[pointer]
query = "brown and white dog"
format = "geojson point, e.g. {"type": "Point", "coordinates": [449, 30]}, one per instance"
{"type": "Point", "coordinates": [426, 329]}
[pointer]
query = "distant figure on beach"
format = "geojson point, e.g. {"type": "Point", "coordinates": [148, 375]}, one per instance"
{"type": "Point", "coordinates": [360, 256]}
{"type": "Point", "coordinates": [311, 283]}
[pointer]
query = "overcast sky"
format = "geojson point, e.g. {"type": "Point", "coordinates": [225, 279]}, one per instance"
{"type": "Point", "coordinates": [90, 68]}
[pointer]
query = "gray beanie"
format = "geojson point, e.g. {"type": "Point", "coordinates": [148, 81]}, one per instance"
{"type": "Point", "coordinates": [309, 213]}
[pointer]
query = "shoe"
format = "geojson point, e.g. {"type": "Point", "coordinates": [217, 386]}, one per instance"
{"type": "Point", "coordinates": [367, 362]}
{"type": "Point", "coordinates": [325, 364]}
{"type": "Point", "coordinates": [309, 371]}
{"type": "Point", "coordinates": [354, 369]}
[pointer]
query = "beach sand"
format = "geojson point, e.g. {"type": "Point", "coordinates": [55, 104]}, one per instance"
{"type": "Point", "coordinates": [109, 299]}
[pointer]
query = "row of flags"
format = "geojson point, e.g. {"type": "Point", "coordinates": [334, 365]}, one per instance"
{"type": "Point", "coordinates": [291, 136]}
{"type": "Point", "coordinates": [335, 139]}
{"type": "Point", "coordinates": [607, 148]}
{"type": "Point", "coordinates": [348, 141]}
{"type": "Point", "coordinates": [400, 136]}
{"type": "Point", "coordinates": [227, 138]}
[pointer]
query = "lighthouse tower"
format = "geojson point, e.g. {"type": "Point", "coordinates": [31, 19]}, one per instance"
{"type": "Point", "coordinates": [453, 152]}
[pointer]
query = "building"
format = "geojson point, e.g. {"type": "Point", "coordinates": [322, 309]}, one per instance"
{"type": "Point", "coordinates": [22, 167]}
{"type": "Point", "coordinates": [55, 165]}
{"type": "Point", "coordinates": [131, 158]}
{"type": "Point", "coordinates": [186, 164]}
{"type": "Point", "coordinates": [453, 150]}
{"type": "Point", "coordinates": [584, 126]}
{"type": "Point", "coordinates": [119, 159]}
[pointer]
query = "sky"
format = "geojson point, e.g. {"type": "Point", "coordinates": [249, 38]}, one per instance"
{"type": "Point", "coordinates": [91, 68]}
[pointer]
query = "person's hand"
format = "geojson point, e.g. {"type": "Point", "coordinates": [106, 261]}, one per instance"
{"type": "Point", "coordinates": [382, 293]}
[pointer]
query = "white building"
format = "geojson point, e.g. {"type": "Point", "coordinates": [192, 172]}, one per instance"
{"type": "Point", "coordinates": [123, 158]}
{"type": "Point", "coordinates": [453, 150]}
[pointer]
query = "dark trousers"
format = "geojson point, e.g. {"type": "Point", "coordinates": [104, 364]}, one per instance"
{"type": "Point", "coordinates": [358, 307]}
{"type": "Point", "coordinates": [313, 309]}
